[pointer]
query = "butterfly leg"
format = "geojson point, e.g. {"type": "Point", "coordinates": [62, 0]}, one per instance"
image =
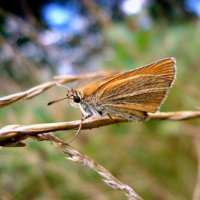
{"type": "Point", "coordinates": [112, 119]}
{"type": "Point", "coordinates": [79, 129]}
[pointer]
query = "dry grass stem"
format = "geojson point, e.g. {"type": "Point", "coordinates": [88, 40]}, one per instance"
{"type": "Point", "coordinates": [5, 101]}
{"type": "Point", "coordinates": [68, 78]}
{"type": "Point", "coordinates": [11, 135]}
{"type": "Point", "coordinates": [75, 155]}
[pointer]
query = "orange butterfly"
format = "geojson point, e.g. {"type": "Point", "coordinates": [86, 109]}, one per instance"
{"type": "Point", "coordinates": [131, 94]}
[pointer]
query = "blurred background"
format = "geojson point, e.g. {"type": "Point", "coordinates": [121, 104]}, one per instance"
{"type": "Point", "coordinates": [43, 38]}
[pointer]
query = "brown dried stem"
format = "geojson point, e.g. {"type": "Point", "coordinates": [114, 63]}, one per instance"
{"type": "Point", "coordinates": [9, 135]}
{"type": "Point", "coordinates": [5, 101]}
{"type": "Point", "coordinates": [77, 156]}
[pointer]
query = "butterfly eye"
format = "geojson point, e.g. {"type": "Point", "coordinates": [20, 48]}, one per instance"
{"type": "Point", "coordinates": [77, 99]}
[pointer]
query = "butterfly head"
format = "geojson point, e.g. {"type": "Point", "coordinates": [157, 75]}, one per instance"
{"type": "Point", "coordinates": [73, 97]}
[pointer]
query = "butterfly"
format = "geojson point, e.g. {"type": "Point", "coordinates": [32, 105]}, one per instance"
{"type": "Point", "coordinates": [131, 94]}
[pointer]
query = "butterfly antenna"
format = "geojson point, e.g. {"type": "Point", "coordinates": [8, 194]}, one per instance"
{"type": "Point", "coordinates": [55, 101]}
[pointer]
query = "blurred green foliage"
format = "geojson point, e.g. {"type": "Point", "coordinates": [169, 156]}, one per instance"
{"type": "Point", "coordinates": [156, 158]}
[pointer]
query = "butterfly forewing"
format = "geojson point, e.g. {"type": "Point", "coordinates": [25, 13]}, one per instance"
{"type": "Point", "coordinates": [143, 93]}
{"type": "Point", "coordinates": [163, 68]}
